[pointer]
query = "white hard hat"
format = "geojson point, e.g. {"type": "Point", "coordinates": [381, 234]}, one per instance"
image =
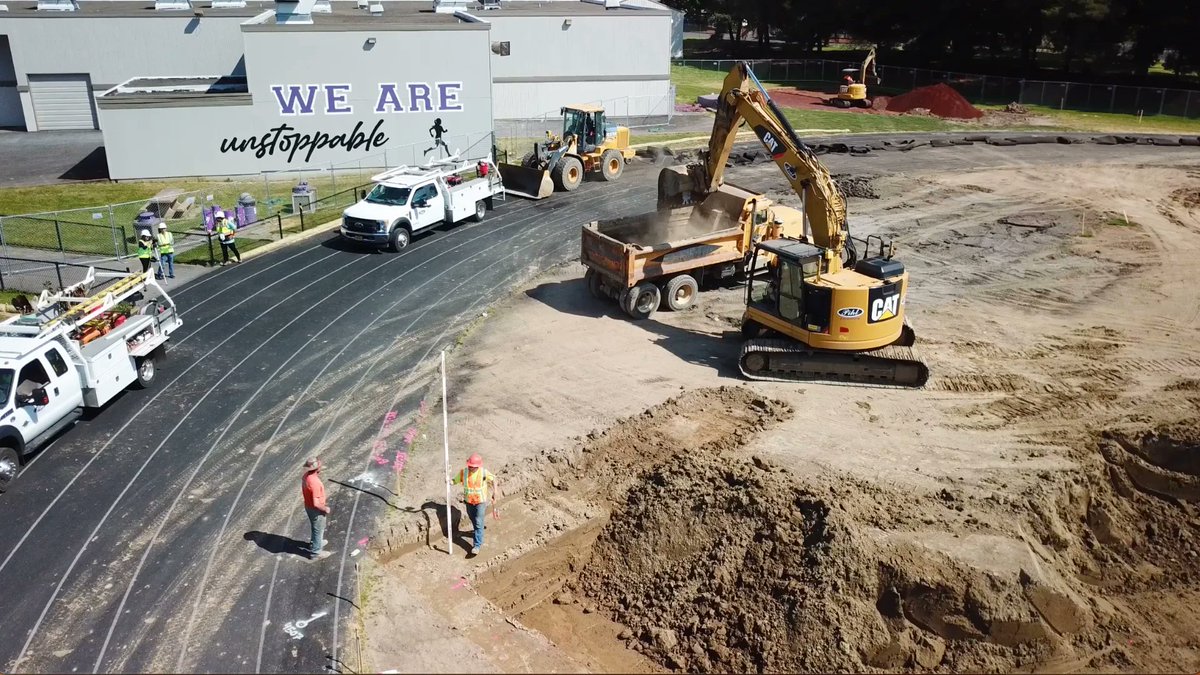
{"type": "Point", "coordinates": [162, 226]}
{"type": "Point", "coordinates": [145, 233]}
{"type": "Point", "coordinates": [219, 214]}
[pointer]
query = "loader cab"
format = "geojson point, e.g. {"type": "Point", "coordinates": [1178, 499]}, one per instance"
{"type": "Point", "coordinates": [785, 291]}
{"type": "Point", "coordinates": [585, 123]}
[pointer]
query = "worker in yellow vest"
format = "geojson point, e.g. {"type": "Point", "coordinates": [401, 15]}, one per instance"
{"type": "Point", "coordinates": [226, 231]}
{"type": "Point", "coordinates": [166, 252]}
{"type": "Point", "coordinates": [145, 249]}
{"type": "Point", "coordinates": [475, 481]}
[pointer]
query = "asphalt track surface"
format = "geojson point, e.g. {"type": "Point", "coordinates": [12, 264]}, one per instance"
{"type": "Point", "coordinates": [161, 533]}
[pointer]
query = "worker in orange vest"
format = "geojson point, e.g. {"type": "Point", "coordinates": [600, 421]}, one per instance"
{"type": "Point", "coordinates": [475, 481]}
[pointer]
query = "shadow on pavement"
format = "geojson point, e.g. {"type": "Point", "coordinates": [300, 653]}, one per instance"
{"type": "Point", "coordinates": [718, 351]}
{"type": "Point", "coordinates": [94, 166]}
{"type": "Point", "coordinates": [277, 543]}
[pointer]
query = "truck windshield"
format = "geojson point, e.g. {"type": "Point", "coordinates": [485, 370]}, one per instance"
{"type": "Point", "coordinates": [384, 194]}
{"type": "Point", "coordinates": [6, 381]}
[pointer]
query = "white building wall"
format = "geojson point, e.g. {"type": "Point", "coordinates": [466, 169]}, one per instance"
{"type": "Point", "coordinates": [113, 49]}
{"type": "Point", "coordinates": [519, 101]}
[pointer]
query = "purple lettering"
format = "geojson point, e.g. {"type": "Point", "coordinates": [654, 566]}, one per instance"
{"type": "Point", "coordinates": [294, 98]}
{"type": "Point", "coordinates": [388, 97]}
{"type": "Point", "coordinates": [333, 98]}
{"type": "Point", "coordinates": [447, 99]}
{"type": "Point", "coordinates": [413, 96]}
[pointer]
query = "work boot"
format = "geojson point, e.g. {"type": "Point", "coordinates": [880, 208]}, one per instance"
{"type": "Point", "coordinates": [320, 556]}
{"type": "Point", "coordinates": [474, 550]}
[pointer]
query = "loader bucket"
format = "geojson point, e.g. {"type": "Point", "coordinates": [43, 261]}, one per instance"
{"type": "Point", "coordinates": [525, 182]}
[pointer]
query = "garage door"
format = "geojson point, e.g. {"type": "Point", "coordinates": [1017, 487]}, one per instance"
{"type": "Point", "coordinates": [62, 102]}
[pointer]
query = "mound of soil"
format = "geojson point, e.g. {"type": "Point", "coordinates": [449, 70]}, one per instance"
{"type": "Point", "coordinates": [940, 99]}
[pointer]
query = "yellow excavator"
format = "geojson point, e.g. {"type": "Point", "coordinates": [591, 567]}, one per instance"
{"type": "Point", "coordinates": [853, 92]}
{"type": "Point", "coordinates": [814, 310]}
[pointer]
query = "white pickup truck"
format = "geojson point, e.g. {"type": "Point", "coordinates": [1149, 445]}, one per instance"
{"type": "Point", "coordinates": [408, 199]}
{"type": "Point", "coordinates": [76, 349]}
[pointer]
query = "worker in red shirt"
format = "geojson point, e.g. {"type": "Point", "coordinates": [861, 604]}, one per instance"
{"type": "Point", "coordinates": [315, 506]}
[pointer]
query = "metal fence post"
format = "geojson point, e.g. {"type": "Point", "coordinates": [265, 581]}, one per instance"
{"type": "Point", "coordinates": [58, 234]}
{"type": "Point", "coordinates": [2, 288]}
{"type": "Point", "coordinates": [1112, 101]}
{"type": "Point", "coordinates": [333, 176]}
{"type": "Point", "coordinates": [301, 218]}
{"type": "Point", "coordinates": [58, 273]}
{"type": "Point", "coordinates": [1042, 100]}
{"type": "Point", "coordinates": [1162, 100]}
{"type": "Point", "coordinates": [1187, 109]}
{"type": "Point", "coordinates": [279, 222]}
{"type": "Point", "coordinates": [212, 258]}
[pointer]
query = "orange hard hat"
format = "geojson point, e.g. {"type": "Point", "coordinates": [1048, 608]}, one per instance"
{"type": "Point", "coordinates": [475, 461]}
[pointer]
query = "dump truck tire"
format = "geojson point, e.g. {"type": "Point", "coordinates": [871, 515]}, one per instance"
{"type": "Point", "coordinates": [594, 285]}
{"type": "Point", "coordinates": [612, 165]}
{"type": "Point", "coordinates": [642, 300]}
{"type": "Point", "coordinates": [681, 292]}
{"type": "Point", "coordinates": [568, 174]}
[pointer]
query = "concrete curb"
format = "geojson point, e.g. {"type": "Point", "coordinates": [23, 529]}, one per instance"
{"type": "Point", "coordinates": [286, 241]}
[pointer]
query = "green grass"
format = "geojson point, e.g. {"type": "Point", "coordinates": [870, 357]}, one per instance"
{"type": "Point", "coordinates": [691, 82]}
{"type": "Point", "coordinates": [866, 123]}
{"type": "Point", "coordinates": [199, 255]}
{"type": "Point", "coordinates": [1074, 120]}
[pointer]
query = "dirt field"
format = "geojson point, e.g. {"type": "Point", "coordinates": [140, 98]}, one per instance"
{"type": "Point", "coordinates": [1032, 509]}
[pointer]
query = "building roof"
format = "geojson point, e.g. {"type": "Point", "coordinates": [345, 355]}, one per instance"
{"type": "Point", "coordinates": [157, 91]}
{"type": "Point", "coordinates": [415, 12]}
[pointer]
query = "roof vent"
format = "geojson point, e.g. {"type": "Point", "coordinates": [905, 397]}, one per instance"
{"type": "Point", "coordinates": [58, 5]}
{"type": "Point", "coordinates": [376, 9]}
{"type": "Point", "coordinates": [612, 4]}
{"type": "Point", "coordinates": [449, 6]}
{"type": "Point", "coordinates": [172, 4]}
{"type": "Point", "coordinates": [322, 7]}
{"type": "Point", "coordinates": [291, 12]}
{"type": "Point", "coordinates": [491, 4]}
{"type": "Point", "coordinates": [228, 4]}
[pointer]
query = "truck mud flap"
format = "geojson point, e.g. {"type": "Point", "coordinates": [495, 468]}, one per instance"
{"type": "Point", "coordinates": [525, 182]}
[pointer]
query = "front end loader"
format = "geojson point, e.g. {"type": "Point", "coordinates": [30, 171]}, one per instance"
{"type": "Point", "coordinates": [587, 145]}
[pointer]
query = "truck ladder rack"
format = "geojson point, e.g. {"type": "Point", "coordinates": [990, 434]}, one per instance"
{"type": "Point", "coordinates": [84, 309]}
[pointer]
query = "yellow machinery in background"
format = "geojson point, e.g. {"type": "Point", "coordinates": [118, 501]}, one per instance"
{"type": "Point", "coordinates": [587, 144]}
{"type": "Point", "coordinates": [855, 93]}
{"type": "Point", "coordinates": [819, 312]}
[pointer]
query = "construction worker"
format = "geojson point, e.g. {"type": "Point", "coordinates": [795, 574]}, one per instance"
{"type": "Point", "coordinates": [145, 249]}
{"type": "Point", "coordinates": [315, 506]}
{"type": "Point", "coordinates": [226, 232]}
{"type": "Point", "coordinates": [475, 481]}
{"type": "Point", "coordinates": [166, 251]}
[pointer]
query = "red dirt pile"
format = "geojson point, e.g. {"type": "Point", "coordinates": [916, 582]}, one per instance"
{"type": "Point", "coordinates": [940, 99]}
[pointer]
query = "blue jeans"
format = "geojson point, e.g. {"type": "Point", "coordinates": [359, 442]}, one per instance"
{"type": "Point", "coordinates": [317, 520]}
{"type": "Point", "coordinates": [168, 263]}
{"type": "Point", "coordinates": [477, 513]}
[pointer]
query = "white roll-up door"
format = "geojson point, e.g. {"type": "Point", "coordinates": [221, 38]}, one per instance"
{"type": "Point", "coordinates": [62, 102]}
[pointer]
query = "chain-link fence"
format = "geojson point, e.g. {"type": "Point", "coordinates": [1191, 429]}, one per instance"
{"type": "Point", "coordinates": [30, 276]}
{"type": "Point", "coordinates": [987, 89]}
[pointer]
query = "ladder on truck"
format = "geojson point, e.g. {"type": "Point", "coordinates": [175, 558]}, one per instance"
{"type": "Point", "coordinates": [439, 168]}
{"type": "Point", "coordinates": [82, 309]}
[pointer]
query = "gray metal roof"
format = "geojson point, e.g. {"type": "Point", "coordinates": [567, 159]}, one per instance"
{"type": "Point", "coordinates": [344, 11]}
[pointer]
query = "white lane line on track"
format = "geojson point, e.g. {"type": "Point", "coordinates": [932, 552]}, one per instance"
{"type": "Point", "coordinates": [163, 522]}
{"type": "Point", "coordinates": [378, 436]}
{"type": "Point", "coordinates": [221, 272]}
{"type": "Point", "coordinates": [263, 448]}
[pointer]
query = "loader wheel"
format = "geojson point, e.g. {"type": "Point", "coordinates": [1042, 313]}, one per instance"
{"type": "Point", "coordinates": [642, 300]}
{"type": "Point", "coordinates": [527, 161]}
{"type": "Point", "coordinates": [594, 285]}
{"type": "Point", "coordinates": [612, 165]}
{"type": "Point", "coordinates": [568, 173]}
{"type": "Point", "coordinates": [10, 463]}
{"type": "Point", "coordinates": [681, 292]}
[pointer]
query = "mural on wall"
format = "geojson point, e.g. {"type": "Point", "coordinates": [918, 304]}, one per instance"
{"type": "Point", "coordinates": [333, 100]}
{"type": "Point", "coordinates": [436, 131]}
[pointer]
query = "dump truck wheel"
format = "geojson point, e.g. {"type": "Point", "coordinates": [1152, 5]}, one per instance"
{"type": "Point", "coordinates": [594, 284]}
{"type": "Point", "coordinates": [480, 210]}
{"type": "Point", "coordinates": [681, 292]}
{"type": "Point", "coordinates": [642, 300]}
{"type": "Point", "coordinates": [10, 464]}
{"type": "Point", "coordinates": [612, 165]}
{"type": "Point", "coordinates": [568, 174]}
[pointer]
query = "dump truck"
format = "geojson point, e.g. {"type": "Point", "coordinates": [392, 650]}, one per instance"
{"type": "Point", "coordinates": [665, 257]}
{"type": "Point", "coordinates": [75, 349]}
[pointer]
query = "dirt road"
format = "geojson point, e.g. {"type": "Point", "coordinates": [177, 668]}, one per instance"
{"type": "Point", "coordinates": [1032, 509]}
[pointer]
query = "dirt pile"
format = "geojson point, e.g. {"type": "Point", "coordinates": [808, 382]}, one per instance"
{"type": "Point", "coordinates": [940, 99]}
{"type": "Point", "coordinates": [855, 186]}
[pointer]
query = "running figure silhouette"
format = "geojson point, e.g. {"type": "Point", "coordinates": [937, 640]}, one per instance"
{"type": "Point", "coordinates": [436, 131]}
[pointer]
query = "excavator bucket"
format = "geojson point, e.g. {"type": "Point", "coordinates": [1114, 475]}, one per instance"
{"type": "Point", "coordinates": [526, 182]}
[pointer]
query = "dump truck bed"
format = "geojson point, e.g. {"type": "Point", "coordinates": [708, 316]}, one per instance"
{"type": "Point", "coordinates": [663, 243]}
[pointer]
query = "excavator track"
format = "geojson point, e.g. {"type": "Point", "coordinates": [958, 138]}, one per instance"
{"type": "Point", "coordinates": [775, 360]}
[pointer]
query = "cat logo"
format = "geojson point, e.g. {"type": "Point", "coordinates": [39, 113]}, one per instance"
{"type": "Point", "coordinates": [883, 309]}
{"type": "Point", "coordinates": [789, 170]}
{"type": "Point", "coordinates": [768, 139]}
{"type": "Point", "coordinates": [883, 303]}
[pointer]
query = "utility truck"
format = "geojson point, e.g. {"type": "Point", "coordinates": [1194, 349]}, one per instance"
{"type": "Point", "coordinates": [76, 349]}
{"type": "Point", "coordinates": [408, 199]}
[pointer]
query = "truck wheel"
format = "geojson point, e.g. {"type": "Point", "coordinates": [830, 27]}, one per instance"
{"type": "Point", "coordinates": [480, 210]}
{"type": "Point", "coordinates": [681, 292]}
{"type": "Point", "coordinates": [10, 462]}
{"type": "Point", "coordinates": [568, 173]}
{"type": "Point", "coordinates": [400, 237]}
{"type": "Point", "coordinates": [642, 300]}
{"type": "Point", "coordinates": [145, 371]}
{"type": "Point", "coordinates": [594, 284]}
{"type": "Point", "coordinates": [612, 165]}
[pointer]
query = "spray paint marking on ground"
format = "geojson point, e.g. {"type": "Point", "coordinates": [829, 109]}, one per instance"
{"type": "Point", "coordinates": [296, 628]}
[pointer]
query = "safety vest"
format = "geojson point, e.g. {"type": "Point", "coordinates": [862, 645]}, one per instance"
{"type": "Point", "coordinates": [225, 231]}
{"type": "Point", "coordinates": [474, 485]}
{"type": "Point", "coordinates": [166, 242]}
{"type": "Point", "coordinates": [144, 250]}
